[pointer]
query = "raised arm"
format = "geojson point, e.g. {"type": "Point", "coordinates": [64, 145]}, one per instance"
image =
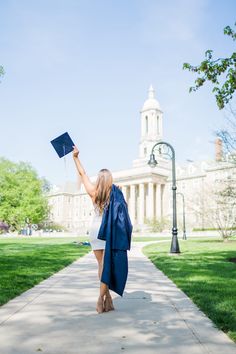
{"type": "Point", "coordinates": [89, 186]}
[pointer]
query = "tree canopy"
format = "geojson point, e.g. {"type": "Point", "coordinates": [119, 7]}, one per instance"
{"type": "Point", "coordinates": [211, 70]}
{"type": "Point", "coordinates": [1, 71]}
{"type": "Point", "coordinates": [22, 194]}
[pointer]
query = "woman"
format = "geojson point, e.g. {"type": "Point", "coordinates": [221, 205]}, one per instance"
{"type": "Point", "coordinates": [99, 193]}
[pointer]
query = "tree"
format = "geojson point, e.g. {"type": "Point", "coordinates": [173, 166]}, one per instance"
{"type": "Point", "coordinates": [211, 70]}
{"type": "Point", "coordinates": [156, 225]}
{"type": "Point", "coordinates": [215, 205]}
{"type": "Point", "coordinates": [21, 194]}
{"type": "Point", "coordinates": [1, 71]}
{"type": "Point", "coordinates": [228, 135]}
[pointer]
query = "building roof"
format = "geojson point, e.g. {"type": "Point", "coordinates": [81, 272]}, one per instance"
{"type": "Point", "coordinates": [151, 102]}
{"type": "Point", "coordinates": [67, 188]}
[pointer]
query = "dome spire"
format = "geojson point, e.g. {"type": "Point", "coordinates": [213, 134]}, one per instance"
{"type": "Point", "coordinates": [151, 102]}
{"type": "Point", "coordinates": [151, 92]}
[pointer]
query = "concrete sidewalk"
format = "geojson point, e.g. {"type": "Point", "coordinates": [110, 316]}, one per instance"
{"type": "Point", "coordinates": [58, 316]}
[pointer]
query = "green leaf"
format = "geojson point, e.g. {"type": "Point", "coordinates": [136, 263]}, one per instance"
{"type": "Point", "coordinates": [21, 194]}
{"type": "Point", "coordinates": [211, 70]}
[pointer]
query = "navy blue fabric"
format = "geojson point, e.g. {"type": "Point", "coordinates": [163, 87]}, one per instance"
{"type": "Point", "coordinates": [116, 230]}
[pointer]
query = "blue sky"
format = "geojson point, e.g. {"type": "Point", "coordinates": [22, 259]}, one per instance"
{"type": "Point", "coordinates": [85, 67]}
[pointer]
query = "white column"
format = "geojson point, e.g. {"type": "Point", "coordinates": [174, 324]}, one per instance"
{"type": "Point", "coordinates": [143, 125]}
{"type": "Point", "coordinates": [158, 201]}
{"type": "Point", "coordinates": [141, 204]}
{"type": "Point", "coordinates": [124, 191]}
{"type": "Point", "coordinates": [160, 124]}
{"type": "Point", "coordinates": [132, 203]}
{"type": "Point", "coordinates": [153, 125]}
{"type": "Point", "coordinates": [162, 199]}
{"type": "Point", "coordinates": [150, 200]}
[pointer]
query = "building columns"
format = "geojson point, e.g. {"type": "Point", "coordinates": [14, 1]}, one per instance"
{"type": "Point", "coordinates": [141, 204]}
{"type": "Point", "coordinates": [150, 206]}
{"type": "Point", "coordinates": [158, 202]}
{"type": "Point", "coordinates": [132, 203]}
{"type": "Point", "coordinates": [124, 191]}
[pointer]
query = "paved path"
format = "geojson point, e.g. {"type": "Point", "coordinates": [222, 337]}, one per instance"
{"type": "Point", "coordinates": [58, 316]}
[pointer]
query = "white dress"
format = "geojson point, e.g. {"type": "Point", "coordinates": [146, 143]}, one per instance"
{"type": "Point", "coordinates": [96, 244]}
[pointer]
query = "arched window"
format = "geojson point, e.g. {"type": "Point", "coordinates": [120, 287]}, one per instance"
{"type": "Point", "coordinates": [146, 124]}
{"type": "Point", "coordinates": [158, 127]}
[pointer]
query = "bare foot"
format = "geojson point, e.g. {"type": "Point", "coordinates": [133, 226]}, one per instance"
{"type": "Point", "coordinates": [100, 305]}
{"type": "Point", "coordinates": [108, 304]}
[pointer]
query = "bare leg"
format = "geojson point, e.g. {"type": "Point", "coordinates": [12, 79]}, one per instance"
{"type": "Point", "coordinates": [103, 287]}
{"type": "Point", "coordinates": [105, 296]}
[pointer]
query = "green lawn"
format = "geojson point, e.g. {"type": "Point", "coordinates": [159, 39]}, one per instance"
{"type": "Point", "coordinates": [24, 262]}
{"type": "Point", "coordinates": [204, 273]}
{"type": "Point", "coordinates": [149, 238]}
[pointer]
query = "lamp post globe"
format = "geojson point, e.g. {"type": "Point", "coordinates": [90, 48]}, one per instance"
{"type": "Point", "coordinates": [152, 161]}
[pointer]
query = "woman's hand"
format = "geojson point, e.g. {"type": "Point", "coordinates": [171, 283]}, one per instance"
{"type": "Point", "coordinates": [75, 152]}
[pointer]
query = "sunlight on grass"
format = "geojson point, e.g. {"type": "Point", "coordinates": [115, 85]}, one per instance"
{"type": "Point", "coordinates": [203, 271]}
{"type": "Point", "coordinates": [25, 262]}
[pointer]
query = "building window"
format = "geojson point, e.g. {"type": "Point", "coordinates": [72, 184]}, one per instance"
{"type": "Point", "coordinates": [146, 124]}
{"type": "Point", "coordinates": [145, 151]}
{"type": "Point", "coordinates": [158, 127]}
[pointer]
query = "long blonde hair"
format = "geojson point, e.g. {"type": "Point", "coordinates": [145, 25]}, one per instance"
{"type": "Point", "coordinates": [103, 188]}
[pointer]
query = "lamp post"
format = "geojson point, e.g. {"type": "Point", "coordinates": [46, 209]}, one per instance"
{"type": "Point", "coordinates": [184, 225]}
{"type": "Point", "coordinates": [167, 149]}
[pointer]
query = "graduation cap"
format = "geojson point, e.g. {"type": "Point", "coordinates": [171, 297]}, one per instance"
{"type": "Point", "coordinates": [63, 144]}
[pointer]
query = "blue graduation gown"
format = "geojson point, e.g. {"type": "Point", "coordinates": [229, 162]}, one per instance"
{"type": "Point", "coordinates": [116, 230]}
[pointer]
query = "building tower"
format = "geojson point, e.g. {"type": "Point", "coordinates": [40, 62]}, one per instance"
{"type": "Point", "coordinates": [151, 127]}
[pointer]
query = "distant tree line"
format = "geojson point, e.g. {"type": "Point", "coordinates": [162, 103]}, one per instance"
{"type": "Point", "coordinates": [1, 71]}
{"type": "Point", "coordinates": [22, 194]}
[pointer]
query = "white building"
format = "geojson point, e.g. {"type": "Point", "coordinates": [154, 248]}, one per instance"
{"type": "Point", "coordinates": [147, 190]}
